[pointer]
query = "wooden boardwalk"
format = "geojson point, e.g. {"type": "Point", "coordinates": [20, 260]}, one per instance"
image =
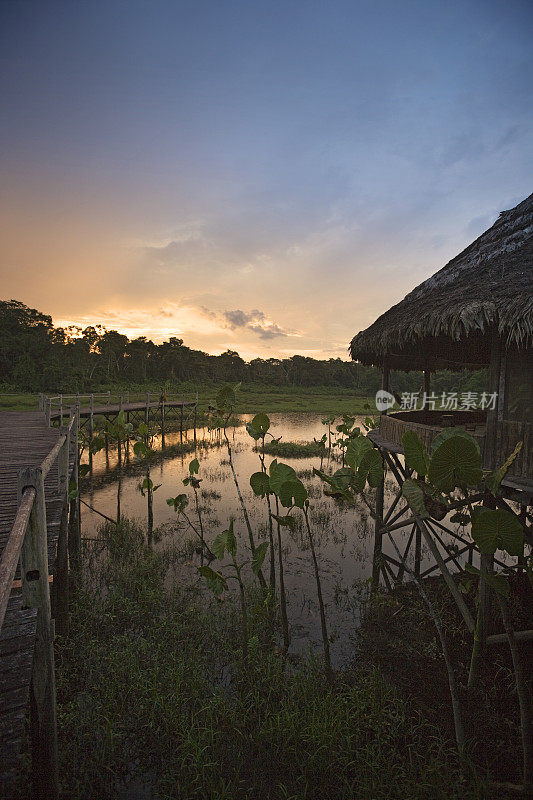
{"type": "Point", "coordinates": [89, 406]}
{"type": "Point", "coordinates": [26, 440]}
{"type": "Point", "coordinates": [116, 408]}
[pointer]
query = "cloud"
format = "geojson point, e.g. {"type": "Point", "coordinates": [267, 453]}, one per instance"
{"type": "Point", "coordinates": [255, 321]}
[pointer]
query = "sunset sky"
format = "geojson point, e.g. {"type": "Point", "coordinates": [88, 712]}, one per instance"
{"type": "Point", "coordinates": [262, 176]}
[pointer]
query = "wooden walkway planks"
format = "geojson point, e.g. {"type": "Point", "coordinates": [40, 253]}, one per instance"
{"type": "Point", "coordinates": [17, 641]}
{"type": "Point", "coordinates": [25, 440]}
{"type": "Point", "coordinates": [115, 408]}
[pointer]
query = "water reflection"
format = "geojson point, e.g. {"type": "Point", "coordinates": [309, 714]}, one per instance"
{"type": "Point", "coordinates": [343, 536]}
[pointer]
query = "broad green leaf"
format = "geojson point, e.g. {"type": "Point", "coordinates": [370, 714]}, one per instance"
{"type": "Point", "coordinates": [225, 541]}
{"type": "Point", "coordinates": [83, 470]}
{"type": "Point", "coordinates": [260, 483]}
{"type": "Point", "coordinates": [148, 484]}
{"type": "Point", "coordinates": [291, 493]}
{"type": "Point", "coordinates": [97, 444]}
{"type": "Point", "coordinates": [493, 479]}
{"type": "Point", "coordinates": [415, 497]}
{"type": "Point", "coordinates": [143, 429]}
{"type": "Point", "coordinates": [496, 529]}
{"type": "Point", "coordinates": [179, 503]}
{"type": "Point", "coordinates": [371, 467]}
{"type": "Point", "coordinates": [140, 450]}
{"type": "Point", "coordinates": [285, 522]}
{"type": "Point", "coordinates": [446, 433]}
{"type": "Point", "coordinates": [279, 474]}
{"type": "Point", "coordinates": [226, 398]}
{"type": "Point", "coordinates": [259, 556]}
{"type": "Point", "coordinates": [499, 583]}
{"type": "Point", "coordinates": [252, 432]}
{"type": "Point", "coordinates": [261, 423]}
{"type": "Point", "coordinates": [214, 580]}
{"type": "Point", "coordinates": [356, 449]}
{"type": "Point", "coordinates": [455, 462]}
{"type": "Point", "coordinates": [416, 454]}
{"type": "Point", "coordinates": [194, 467]}
{"type": "Point", "coordinates": [219, 545]}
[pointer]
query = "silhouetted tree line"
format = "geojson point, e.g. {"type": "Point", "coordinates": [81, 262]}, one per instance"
{"type": "Point", "coordinates": [37, 356]}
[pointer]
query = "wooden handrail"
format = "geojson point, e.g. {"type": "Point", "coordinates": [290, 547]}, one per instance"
{"type": "Point", "coordinates": [52, 455]}
{"type": "Point", "coordinates": [11, 554]}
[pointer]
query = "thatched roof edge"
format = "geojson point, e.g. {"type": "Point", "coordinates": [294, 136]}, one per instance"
{"type": "Point", "coordinates": [489, 285]}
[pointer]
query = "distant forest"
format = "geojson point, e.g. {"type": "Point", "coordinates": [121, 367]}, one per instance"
{"type": "Point", "coordinates": [37, 356]}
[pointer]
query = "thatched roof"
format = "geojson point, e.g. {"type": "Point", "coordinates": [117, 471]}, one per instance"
{"type": "Point", "coordinates": [447, 319]}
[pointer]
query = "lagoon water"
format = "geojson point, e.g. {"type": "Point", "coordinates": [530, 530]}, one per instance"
{"type": "Point", "coordinates": [343, 535]}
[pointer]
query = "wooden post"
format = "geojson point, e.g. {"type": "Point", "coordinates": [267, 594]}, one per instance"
{"type": "Point", "coordinates": [60, 592]}
{"type": "Point", "coordinates": [74, 532]}
{"type": "Point", "coordinates": [91, 430]}
{"type": "Point", "coordinates": [491, 436]}
{"type": "Point", "coordinates": [418, 551]}
{"type": "Point", "coordinates": [147, 409]}
{"type": "Point", "coordinates": [41, 401]}
{"type": "Point", "coordinates": [427, 383]}
{"type": "Point", "coordinates": [195, 418]}
{"type": "Point", "coordinates": [378, 535]}
{"type": "Point", "coordinates": [36, 594]}
{"type": "Point", "coordinates": [181, 421]}
{"type": "Point", "coordinates": [163, 422]}
{"type": "Point", "coordinates": [385, 377]}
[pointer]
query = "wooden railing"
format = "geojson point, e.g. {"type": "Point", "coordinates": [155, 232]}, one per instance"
{"type": "Point", "coordinates": [59, 405]}
{"type": "Point", "coordinates": [28, 545]}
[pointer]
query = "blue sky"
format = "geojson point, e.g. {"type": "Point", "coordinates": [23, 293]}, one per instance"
{"type": "Point", "coordinates": [166, 165]}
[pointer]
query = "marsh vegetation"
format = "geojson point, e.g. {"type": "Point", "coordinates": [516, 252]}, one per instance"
{"type": "Point", "coordinates": [217, 648]}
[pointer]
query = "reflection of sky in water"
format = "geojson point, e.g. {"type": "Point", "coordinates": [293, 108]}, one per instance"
{"type": "Point", "coordinates": [343, 536]}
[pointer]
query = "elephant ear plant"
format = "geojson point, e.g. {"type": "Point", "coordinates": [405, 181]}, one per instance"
{"type": "Point", "coordinates": [282, 482]}
{"type": "Point", "coordinates": [142, 450]}
{"type": "Point", "coordinates": [181, 502]}
{"type": "Point", "coordinates": [258, 429]}
{"type": "Point", "coordinates": [217, 580]}
{"type": "Point", "coordinates": [454, 466]}
{"type": "Point", "coordinates": [224, 408]}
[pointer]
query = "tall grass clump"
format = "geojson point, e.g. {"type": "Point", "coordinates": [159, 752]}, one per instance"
{"type": "Point", "coordinates": [153, 702]}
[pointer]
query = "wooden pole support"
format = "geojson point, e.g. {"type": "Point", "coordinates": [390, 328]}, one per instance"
{"type": "Point", "coordinates": [74, 534]}
{"type": "Point", "coordinates": [36, 594]}
{"type": "Point", "coordinates": [378, 535]}
{"type": "Point", "coordinates": [60, 590]}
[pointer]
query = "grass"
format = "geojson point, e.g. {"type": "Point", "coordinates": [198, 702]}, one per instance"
{"type": "Point", "coordinates": [293, 449]}
{"type": "Point", "coordinates": [251, 398]}
{"type": "Point", "coordinates": [154, 702]}
{"type": "Point", "coordinates": [397, 637]}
